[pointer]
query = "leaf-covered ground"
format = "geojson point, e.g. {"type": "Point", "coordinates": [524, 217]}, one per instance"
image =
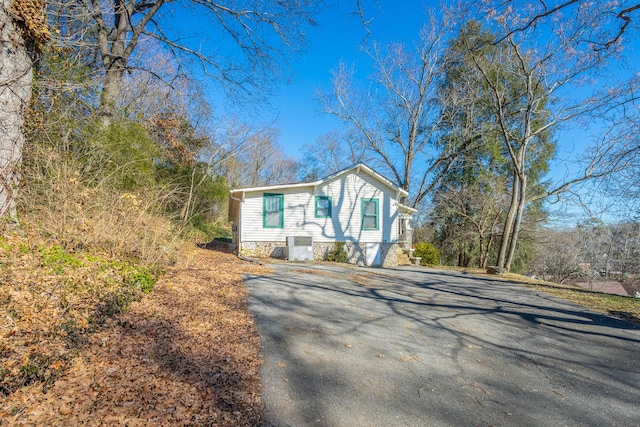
{"type": "Point", "coordinates": [185, 354]}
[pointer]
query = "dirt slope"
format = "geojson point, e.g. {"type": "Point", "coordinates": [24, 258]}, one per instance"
{"type": "Point", "coordinates": [186, 354]}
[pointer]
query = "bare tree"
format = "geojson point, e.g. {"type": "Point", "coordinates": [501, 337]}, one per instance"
{"type": "Point", "coordinates": [625, 250]}
{"type": "Point", "coordinates": [533, 81]}
{"type": "Point", "coordinates": [22, 32]}
{"type": "Point", "coordinates": [559, 256]}
{"type": "Point", "coordinates": [251, 157]}
{"type": "Point", "coordinates": [397, 120]}
{"type": "Point", "coordinates": [479, 209]}
{"type": "Point", "coordinates": [621, 16]}
{"type": "Point", "coordinates": [252, 39]}
{"type": "Point", "coordinates": [332, 152]}
{"type": "Point", "coordinates": [621, 187]}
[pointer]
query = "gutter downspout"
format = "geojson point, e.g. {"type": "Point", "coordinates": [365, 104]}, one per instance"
{"type": "Point", "coordinates": [397, 238]}
{"type": "Point", "coordinates": [240, 256]}
{"type": "Point", "coordinates": [239, 220]}
{"type": "Point", "coordinates": [234, 198]}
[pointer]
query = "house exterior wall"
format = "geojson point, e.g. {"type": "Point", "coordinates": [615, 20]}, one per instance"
{"type": "Point", "coordinates": [300, 218]}
{"type": "Point", "coordinates": [355, 251]}
{"type": "Point", "coordinates": [345, 224]}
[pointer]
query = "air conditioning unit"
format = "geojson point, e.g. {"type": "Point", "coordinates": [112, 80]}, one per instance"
{"type": "Point", "coordinates": [299, 248]}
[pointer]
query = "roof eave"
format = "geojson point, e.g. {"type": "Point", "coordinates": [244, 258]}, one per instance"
{"type": "Point", "coordinates": [357, 167]}
{"type": "Point", "coordinates": [273, 187]}
{"type": "Point", "coordinates": [407, 208]}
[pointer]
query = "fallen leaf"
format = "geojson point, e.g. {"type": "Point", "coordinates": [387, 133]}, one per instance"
{"type": "Point", "coordinates": [65, 410]}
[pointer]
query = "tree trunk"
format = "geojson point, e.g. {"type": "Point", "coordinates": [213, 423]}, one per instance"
{"type": "Point", "coordinates": [115, 44]}
{"type": "Point", "coordinates": [187, 208]}
{"type": "Point", "coordinates": [487, 249]}
{"type": "Point", "coordinates": [15, 93]}
{"type": "Point", "coordinates": [489, 243]}
{"type": "Point", "coordinates": [508, 222]}
{"type": "Point", "coordinates": [480, 250]}
{"type": "Point", "coordinates": [110, 93]}
{"type": "Point", "coordinates": [518, 220]}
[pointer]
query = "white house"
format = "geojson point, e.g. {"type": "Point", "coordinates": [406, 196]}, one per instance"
{"type": "Point", "coordinates": [356, 206]}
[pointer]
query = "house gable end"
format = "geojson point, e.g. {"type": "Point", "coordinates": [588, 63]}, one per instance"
{"type": "Point", "coordinates": [362, 168]}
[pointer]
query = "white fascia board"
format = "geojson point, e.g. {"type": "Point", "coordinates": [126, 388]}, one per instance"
{"type": "Point", "coordinates": [407, 208]}
{"type": "Point", "coordinates": [273, 187]}
{"type": "Point", "coordinates": [357, 167]}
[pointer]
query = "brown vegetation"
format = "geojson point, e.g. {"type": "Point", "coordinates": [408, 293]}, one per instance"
{"type": "Point", "coordinates": [187, 354]}
{"type": "Point", "coordinates": [623, 307]}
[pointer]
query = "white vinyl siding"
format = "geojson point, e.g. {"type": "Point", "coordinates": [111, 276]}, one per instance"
{"type": "Point", "coordinates": [300, 216]}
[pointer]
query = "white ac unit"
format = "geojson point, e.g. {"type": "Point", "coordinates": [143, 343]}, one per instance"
{"type": "Point", "coordinates": [299, 248]}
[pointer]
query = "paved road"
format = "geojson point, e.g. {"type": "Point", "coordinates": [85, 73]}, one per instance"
{"type": "Point", "coordinates": [348, 346]}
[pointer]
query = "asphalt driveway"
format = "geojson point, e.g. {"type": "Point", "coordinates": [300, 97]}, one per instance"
{"type": "Point", "coordinates": [348, 346]}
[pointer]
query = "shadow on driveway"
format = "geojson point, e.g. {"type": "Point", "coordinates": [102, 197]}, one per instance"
{"type": "Point", "coordinates": [348, 346]}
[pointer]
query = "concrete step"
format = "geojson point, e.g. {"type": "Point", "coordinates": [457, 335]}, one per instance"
{"type": "Point", "coordinates": [403, 259]}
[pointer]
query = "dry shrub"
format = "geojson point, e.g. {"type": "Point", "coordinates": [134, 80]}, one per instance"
{"type": "Point", "coordinates": [89, 249]}
{"type": "Point", "coordinates": [95, 238]}
{"type": "Point", "coordinates": [63, 201]}
{"type": "Point", "coordinates": [187, 354]}
{"type": "Point", "coordinates": [51, 300]}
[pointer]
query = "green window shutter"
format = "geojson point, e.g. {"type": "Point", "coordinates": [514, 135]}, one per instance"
{"type": "Point", "coordinates": [273, 210]}
{"type": "Point", "coordinates": [370, 214]}
{"type": "Point", "coordinates": [323, 207]}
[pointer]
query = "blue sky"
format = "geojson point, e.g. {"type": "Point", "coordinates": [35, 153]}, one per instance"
{"type": "Point", "coordinates": [339, 36]}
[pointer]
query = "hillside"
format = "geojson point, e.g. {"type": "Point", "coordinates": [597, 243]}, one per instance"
{"type": "Point", "coordinates": [187, 353]}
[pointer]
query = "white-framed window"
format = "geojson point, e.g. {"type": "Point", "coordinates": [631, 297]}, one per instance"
{"type": "Point", "coordinates": [370, 214]}
{"type": "Point", "coordinates": [273, 211]}
{"type": "Point", "coordinates": [323, 207]}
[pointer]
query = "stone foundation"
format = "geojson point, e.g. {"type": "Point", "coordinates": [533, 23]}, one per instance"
{"type": "Point", "coordinates": [322, 249]}
{"type": "Point", "coordinates": [356, 254]}
{"type": "Point", "coordinates": [389, 255]}
{"type": "Point", "coordinates": [264, 249]}
{"type": "Point", "coordinates": [355, 251]}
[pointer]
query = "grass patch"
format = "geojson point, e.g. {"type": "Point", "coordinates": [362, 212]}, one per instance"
{"type": "Point", "coordinates": [627, 308]}
{"type": "Point", "coordinates": [53, 299]}
{"type": "Point", "coordinates": [622, 307]}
